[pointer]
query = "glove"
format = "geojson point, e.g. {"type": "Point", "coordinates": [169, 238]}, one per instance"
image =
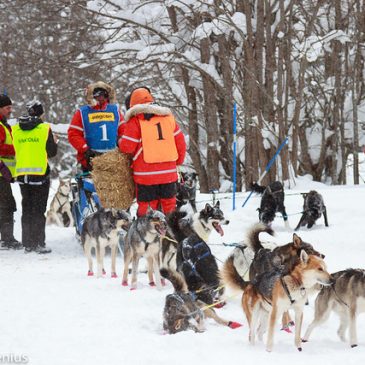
{"type": "Point", "coordinates": [89, 155]}
{"type": "Point", "coordinates": [5, 172]}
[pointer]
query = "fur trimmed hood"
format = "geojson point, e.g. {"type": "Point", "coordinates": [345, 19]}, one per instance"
{"type": "Point", "coordinates": [91, 87]}
{"type": "Point", "coordinates": [146, 108]}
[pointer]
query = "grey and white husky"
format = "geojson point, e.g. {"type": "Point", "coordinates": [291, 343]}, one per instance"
{"type": "Point", "coordinates": [143, 239]}
{"type": "Point", "coordinates": [345, 297]}
{"type": "Point", "coordinates": [100, 230]}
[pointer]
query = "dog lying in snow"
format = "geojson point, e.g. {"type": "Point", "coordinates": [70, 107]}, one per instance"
{"type": "Point", "coordinates": [183, 311]}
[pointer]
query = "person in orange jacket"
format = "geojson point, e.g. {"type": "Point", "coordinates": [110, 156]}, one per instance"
{"type": "Point", "coordinates": [157, 146]}
{"type": "Point", "coordinates": [96, 127]}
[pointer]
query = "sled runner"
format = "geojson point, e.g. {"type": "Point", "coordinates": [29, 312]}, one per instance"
{"type": "Point", "coordinates": [85, 200]}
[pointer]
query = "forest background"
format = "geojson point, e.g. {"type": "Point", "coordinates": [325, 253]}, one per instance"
{"type": "Point", "coordinates": [294, 68]}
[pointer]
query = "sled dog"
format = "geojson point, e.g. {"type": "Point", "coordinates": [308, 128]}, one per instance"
{"type": "Point", "coordinates": [269, 261]}
{"type": "Point", "coordinates": [313, 208]}
{"type": "Point", "coordinates": [346, 297]}
{"type": "Point", "coordinates": [59, 212]}
{"type": "Point", "coordinates": [182, 311]}
{"type": "Point", "coordinates": [272, 201]}
{"type": "Point", "coordinates": [186, 190]}
{"type": "Point", "coordinates": [143, 239]}
{"type": "Point", "coordinates": [193, 257]}
{"type": "Point", "coordinates": [282, 292]}
{"type": "Point", "coordinates": [100, 230]}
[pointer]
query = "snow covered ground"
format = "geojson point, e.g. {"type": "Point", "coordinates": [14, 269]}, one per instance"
{"type": "Point", "coordinates": [52, 313]}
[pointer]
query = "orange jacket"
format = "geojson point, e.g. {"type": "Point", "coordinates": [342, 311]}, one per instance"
{"type": "Point", "coordinates": [145, 173]}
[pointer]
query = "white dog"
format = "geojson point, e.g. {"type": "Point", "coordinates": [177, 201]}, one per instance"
{"type": "Point", "coordinates": [59, 212]}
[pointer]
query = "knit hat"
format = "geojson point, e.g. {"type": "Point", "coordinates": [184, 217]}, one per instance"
{"type": "Point", "coordinates": [141, 96]}
{"type": "Point", "coordinates": [4, 100]}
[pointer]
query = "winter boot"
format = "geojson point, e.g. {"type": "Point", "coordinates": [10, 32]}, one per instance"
{"type": "Point", "coordinates": [42, 249]}
{"type": "Point", "coordinates": [8, 240]}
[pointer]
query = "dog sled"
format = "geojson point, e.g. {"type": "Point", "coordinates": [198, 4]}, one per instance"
{"type": "Point", "coordinates": [85, 200]}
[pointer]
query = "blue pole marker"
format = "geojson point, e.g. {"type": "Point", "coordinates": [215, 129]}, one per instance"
{"type": "Point", "coordinates": [234, 154]}
{"type": "Point", "coordinates": [268, 167]}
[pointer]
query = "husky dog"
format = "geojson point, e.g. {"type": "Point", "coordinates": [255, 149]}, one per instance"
{"type": "Point", "coordinates": [272, 201]}
{"type": "Point", "coordinates": [282, 258]}
{"type": "Point", "coordinates": [186, 190]}
{"type": "Point", "coordinates": [285, 292]}
{"type": "Point", "coordinates": [194, 258]}
{"type": "Point", "coordinates": [100, 230]}
{"type": "Point", "coordinates": [59, 211]}
{"type": "Point", "coordinates": [143, 239]}
{"type": "Point", "coordinates": [346, 297]}
{"type": "Point", "coordinates": [312, 210]}
{"type": "Point", "coordinates": [182, 311]}
{"type": "Point", "coordinates": [267, 261]}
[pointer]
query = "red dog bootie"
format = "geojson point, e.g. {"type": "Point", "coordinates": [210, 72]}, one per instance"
{"type": "Point", "coordinates": [90, 273]}
{"type": "Point", "coordinates": [234, 325]}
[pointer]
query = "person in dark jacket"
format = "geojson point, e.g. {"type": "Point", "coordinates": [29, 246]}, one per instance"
{"type": "Point", "coordinates": [7, 165]}
{"type": "Point", "coordinates": [34, 144]}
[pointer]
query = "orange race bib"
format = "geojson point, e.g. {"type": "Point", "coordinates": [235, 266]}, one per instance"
{"type": "Point", "coordinates": [158, 141]}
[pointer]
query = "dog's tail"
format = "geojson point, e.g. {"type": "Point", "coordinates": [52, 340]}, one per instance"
{"type": "Point", "coordinates": [230, 276]}
{"type": "Point", "coordinates": [176, 279]}
{"type": "Point", "coordinates": [253, 235]}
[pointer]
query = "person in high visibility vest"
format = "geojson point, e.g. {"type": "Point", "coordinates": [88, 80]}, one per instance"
{"type": "Point", "coordinates": [34, 144]}
{"type": "Point", "coordinates": [96, 127]}
{"type": "Point", "coordinates": [158, 146]}
{"type": "Point", "coordinates": [7, 165]}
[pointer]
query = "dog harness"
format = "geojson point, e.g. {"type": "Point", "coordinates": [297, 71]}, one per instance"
{"type": "Point", "coordinates": [146, 244]}
{"type": "Point", "coordinates": [287, 292]}
{"type": "Point", "coordinates": [189, 251]}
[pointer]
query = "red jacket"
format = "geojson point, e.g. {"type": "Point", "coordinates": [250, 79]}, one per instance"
{"type": "Point", "coordinates": [131, 142]}
{"type": "Point", "coordinates": [76, 133]}
{"type": "Point", "coordinates": [5, 149]}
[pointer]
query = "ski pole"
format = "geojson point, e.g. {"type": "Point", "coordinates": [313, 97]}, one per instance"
{"type": "Point", "coordinates": [234, 155]}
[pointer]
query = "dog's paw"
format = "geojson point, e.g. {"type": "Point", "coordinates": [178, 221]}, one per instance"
{"type": "Point", "coordinates": [90, 273]}
{"type": "Point", "coordinates": [152, 284]}
{"type": "Point", "coordinates": [103, 272]}
{"type": "Point", "coordinates": [220, 304]}
{"type": "Point", "coordinates": [124, 283]}
{"type": "Point", "coordinates": [114, 275]}
{"type": "Point", "coordinates": [234, 325]}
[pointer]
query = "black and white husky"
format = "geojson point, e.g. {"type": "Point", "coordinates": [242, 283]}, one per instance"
{"type": "Point", "coordinates": [100, 230]}
{"type": "Point", "coordinates": [143, 239]}
{"type": "Point", "coordinates": [59, 212]}
{"type": "Point", "coordinates": [193, 256]}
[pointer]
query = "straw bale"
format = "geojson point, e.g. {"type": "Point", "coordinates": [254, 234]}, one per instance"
{"type": "Point", "coordinates": [113, 180]}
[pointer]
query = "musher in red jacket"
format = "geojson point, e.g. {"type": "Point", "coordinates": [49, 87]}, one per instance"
{"type": "Point", "coordinates": [7, 166]}
{"type": "Point", "coordinates": [157, 146]}
{"type": "Point", "coordinates": [96, 127]}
